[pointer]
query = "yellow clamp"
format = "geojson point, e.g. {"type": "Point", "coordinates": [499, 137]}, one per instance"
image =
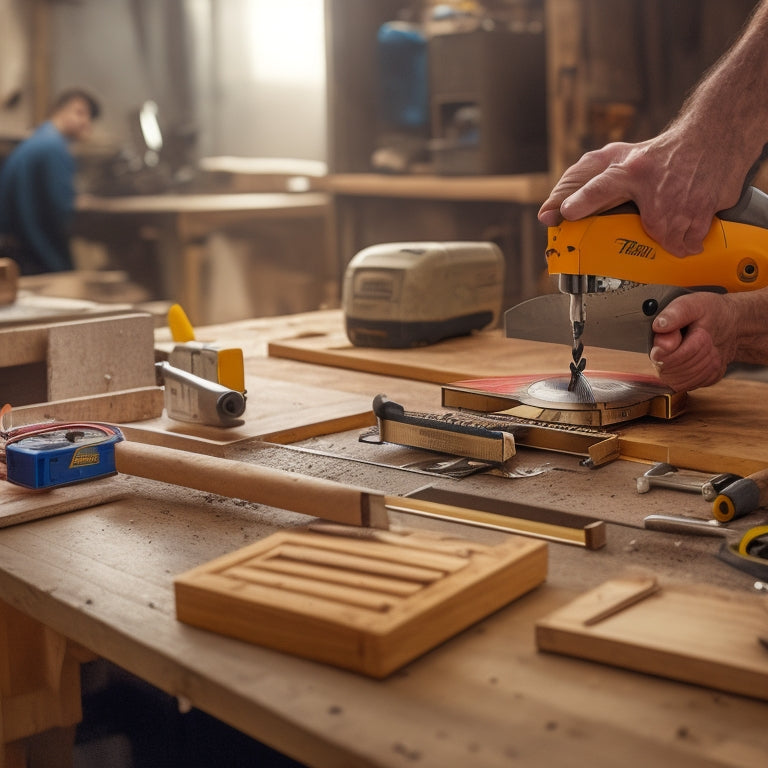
{"type": "Point", "coordinates": [750, 536]}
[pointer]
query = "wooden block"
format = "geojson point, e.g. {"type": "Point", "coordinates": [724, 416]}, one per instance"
{"type": "Point", "coordinates": [694, 634]}
{"type": "Point", "coordinates": [359, 600]}
{"type": "Point", "coordinates": [66, 360]}
{"type": "Point", "coordinates": [127, 405]}
{"type": "Point", "coordinates": [94, 357]}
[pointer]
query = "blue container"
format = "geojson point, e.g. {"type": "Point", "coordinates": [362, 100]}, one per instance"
{"type": "Point", "coordinates": [403, 77]}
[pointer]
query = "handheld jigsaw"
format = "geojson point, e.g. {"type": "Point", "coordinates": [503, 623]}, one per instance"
{"type": "Point", "coordinates": [614, 279]}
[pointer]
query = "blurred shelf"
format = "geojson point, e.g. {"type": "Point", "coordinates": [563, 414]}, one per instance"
{"type": "Point", "coordinates": [522, 189]}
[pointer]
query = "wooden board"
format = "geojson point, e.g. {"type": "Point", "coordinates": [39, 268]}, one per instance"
{"type": "Point", "coordinates": [21, 505]}
{"type": "Point", "coordinates": [693, 634]}
{"type": "Point", "coordinates": [370, 603]}
{"type": "Point", "coordinates": [29, 308]}
{"type": "Point", "coordinates": [276, 411]}
{"type": "Point", "coordinates": [480, 355]}
{"type": "Point", "coordinates": [127, 405]}
{"type": "Point", "coordinates": [63, 361]}
{"type": "Point", "coordinates": [721, 430]}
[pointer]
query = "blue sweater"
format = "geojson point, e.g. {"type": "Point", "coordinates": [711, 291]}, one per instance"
{"type": "Point", "coordinates": [37, 196]}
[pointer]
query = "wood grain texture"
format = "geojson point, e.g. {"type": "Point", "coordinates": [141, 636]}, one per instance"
{"type": "Point", "coordinates": [114, 408]}
{"type": "Point", "coordinates": [272, 487]}
{"type": "Point", "coordinates": [720, 431]}
{"type": "Point", "coordinates": [22, 505]}
{"type": "Point", "coordinates": [276, 411]}
{"type": "Point", "coordinates": [692, 634]}
{"type": "Point", "coordinates": [480, 355]}
{"type": "Point", "coordinates": [333, 613]}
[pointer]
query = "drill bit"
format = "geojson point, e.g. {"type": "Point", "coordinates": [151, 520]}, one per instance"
{"type": "Point", "coordinates": [578, 383]}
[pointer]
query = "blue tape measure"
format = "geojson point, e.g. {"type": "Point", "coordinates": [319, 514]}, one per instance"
{"type": "Point", "coordinates": [61, 454]}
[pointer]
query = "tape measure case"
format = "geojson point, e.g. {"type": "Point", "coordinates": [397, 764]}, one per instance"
{"type": "Point", "coordinates": [62, 455]}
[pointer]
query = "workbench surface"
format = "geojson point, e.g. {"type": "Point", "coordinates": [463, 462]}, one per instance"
{"type": "Point", "coordinates": [103, 577]}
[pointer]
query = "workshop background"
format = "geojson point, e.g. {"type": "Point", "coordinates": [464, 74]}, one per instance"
{"type": "Point", "coordinates": [248, 149]}
{"type": "Point", "coordinates": [357, 102]}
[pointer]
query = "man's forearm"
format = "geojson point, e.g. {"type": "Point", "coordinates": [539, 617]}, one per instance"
{"type": "Point", "coordinates": [739, 80]}
{"type": "Point", "coordinates": [751, 319]}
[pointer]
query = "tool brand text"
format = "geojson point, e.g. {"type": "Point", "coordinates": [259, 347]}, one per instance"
{"type": "Point", "coordinates": [84, 458]}
{"type": "Point", "coordinates": [633, 248]}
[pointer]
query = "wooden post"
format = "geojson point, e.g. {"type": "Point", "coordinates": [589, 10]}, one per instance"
{"type": "Point", "coordinates": [39, 683]}
{"type": "Point", "coordinates": [40, 60]}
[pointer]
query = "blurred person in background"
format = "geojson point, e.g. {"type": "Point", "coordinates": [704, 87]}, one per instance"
{"type": "Point", "coordinates": [37, 187]}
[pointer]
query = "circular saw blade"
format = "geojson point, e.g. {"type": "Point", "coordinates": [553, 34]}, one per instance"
{"type": "Point", "coordinates": [553, 392]}
{"type": "Point", "coordinates": [618, 398]}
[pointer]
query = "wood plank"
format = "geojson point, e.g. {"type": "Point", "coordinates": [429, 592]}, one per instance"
{"type": "Point", "coordinates": [693, 634]}
{"type": "Point", "coordinates": [276, 411]}
{"type": "Point", "coordinates": [427, 557]}
{"type": "Point", "coordinates": [102, 581]}
{"type": "Point", "coordinates": [480, 355]}
{"type": "Point", "coordinates": [720, 430]}
{"type": "Point", "coordinates": [29, 309]}
{"type": "Point", "coordinates": [362, 563]}
{"type": "Point", "coordinates": [336, 576]}
{"type": "Point", "coordinates": [114, 408]}
{"type": "Point", "coordinates": [22, 505]}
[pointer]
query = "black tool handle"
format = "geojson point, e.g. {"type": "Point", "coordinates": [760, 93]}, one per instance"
{"type": "Point", "coordinates": [741, 497]}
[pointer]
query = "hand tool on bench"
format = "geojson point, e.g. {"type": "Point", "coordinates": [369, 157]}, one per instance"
{"type": "Point", "coordinates": [687, 525]}
{"type": "Point", "coordinates": [614, 279]}
{"type": "Point", "coordinates": [750, 553]}
{"type": "Point", "coordinates": [218, 364]}
{"type": "Point", "coordinates": [192, 398]}
{"type": "Point", "coordinates": [58, 454]}
{"type": "Point", "coordinates": [741, 497]}
{"type": "Point", "coordinates": [664, 475]}
{"type": "Point", "coordinates": [487, 437]}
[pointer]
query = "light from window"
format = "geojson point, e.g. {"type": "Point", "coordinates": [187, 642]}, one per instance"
{"type": "Point", "coordinates": [287, 41]}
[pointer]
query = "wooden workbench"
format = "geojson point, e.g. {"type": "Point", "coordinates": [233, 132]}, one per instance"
{"type": "Point", "coordinates": [181, 222]}
{"type": "Point", "coordinates": [102, 577]}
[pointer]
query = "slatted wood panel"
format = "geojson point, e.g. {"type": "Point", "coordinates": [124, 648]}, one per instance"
{"type": "Point", "coordinates": [369, 601]}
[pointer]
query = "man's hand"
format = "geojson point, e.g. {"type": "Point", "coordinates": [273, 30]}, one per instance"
{"type": "Point", "coordinates": [695, 338]}
{"type": "Point", "coordinates": [676, 181]}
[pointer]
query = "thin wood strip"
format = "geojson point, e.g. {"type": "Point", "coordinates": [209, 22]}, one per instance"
{"type": "Point", "coordinates": [342, 594]}
{"type": "Point", "coordinates": [379, 550]}
{"type": "Point", "coordinates": [592, 538]}
{"type": "Point", "coordinates": [357, 563]}
{"type": "Point", "coordinates": [213, 593]}
{"type": "Point", "coordinates": [618, 595]}
{"type": "Point", "coordinates": [429, 541]}
{"type": "Point", "coordinates": [399, 587]}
